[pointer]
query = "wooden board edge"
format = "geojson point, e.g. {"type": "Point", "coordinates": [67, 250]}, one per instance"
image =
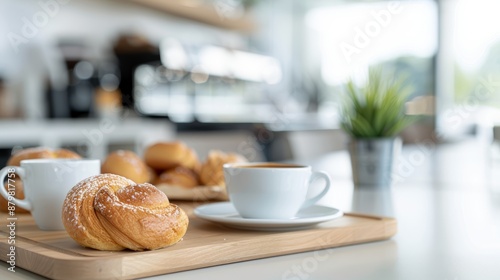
{"type": "Point", "coordinates": [388, 227]}
{"type": "Point", "coordinates": [58, 265]}
{"type": "Point", "coordinates": [368, 216]}
{"type": "Point", "coordinates": [391, 224]}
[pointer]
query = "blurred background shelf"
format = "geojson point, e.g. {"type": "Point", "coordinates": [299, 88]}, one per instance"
{"type": "Point", "coordinates": [216, 13]}
{"type": "Point", "coordinates": [92, 138]}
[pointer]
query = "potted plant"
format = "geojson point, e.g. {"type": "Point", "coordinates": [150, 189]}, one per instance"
{"type": "Point", "coordinates": [373, 115]}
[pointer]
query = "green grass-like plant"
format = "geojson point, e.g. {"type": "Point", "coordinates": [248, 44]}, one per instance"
{"type": "Point", "coordinates": [377, 110]}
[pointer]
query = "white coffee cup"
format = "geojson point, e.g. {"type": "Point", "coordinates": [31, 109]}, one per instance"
{"type": "Point", "coordinates": [46, 183]}
{"type": "Point", "coordinates": [271, 190]}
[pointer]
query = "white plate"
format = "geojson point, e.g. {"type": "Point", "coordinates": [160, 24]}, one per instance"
{"type": "Point", "coordinates": [225, 213]}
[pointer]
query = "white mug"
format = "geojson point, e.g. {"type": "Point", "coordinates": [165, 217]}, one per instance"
{"type": "Point", "coordinates": [271, 190]}
{"type": "Point", "coordinates": [46, 183]}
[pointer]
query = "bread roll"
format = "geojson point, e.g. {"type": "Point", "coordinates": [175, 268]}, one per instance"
{"type": "Point", "coordinates": [167, 155]}
{"type": "Point", "coordinates": [153, 176]}
{"type": "Point", "coordinates": [40, 152]}
{"type": "Point", "coordinates": [179, 176]}
{"type": "Point", "coordinates": [128, 165]}
{"type": "Point", "coordinates": [31, 153]}
{"type": "Point", "coordinates": [64, 153]}
{"type": "Point", "coordinates": [111, 212]}
{"type": "Point", "coordinates": [19, 189]}
{"type": "Point", "coordinates": [212, 173]}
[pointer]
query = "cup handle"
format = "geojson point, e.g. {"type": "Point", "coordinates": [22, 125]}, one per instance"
{"type": "Point", "coordinates": [6, 172]}
{"type": "Point", "coordinates": [317, 175]}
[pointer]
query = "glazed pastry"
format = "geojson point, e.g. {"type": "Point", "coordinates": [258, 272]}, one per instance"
{"type": "Point", "coordinates": [212, 173]}
{"type": "Point", "coordinates": [110, 212]}
{"type": "Point", "coordinates": [128, 165]}
{"type": "Point", "coordinates": [31, 153]}
{"type": "Point", "coordinates": [167, 155]}
{"type": "Point", "coordinates": [179, 176]}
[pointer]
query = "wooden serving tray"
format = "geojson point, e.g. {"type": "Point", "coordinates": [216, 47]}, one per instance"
{"type": "Point", "coordinates": [55, 255]}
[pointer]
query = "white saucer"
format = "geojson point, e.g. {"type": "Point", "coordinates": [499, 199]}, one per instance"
{"type": "Point", "coordinates": [224, 213]}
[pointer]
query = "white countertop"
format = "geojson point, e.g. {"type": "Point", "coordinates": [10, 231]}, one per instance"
{"type": "Point", "coordinates": [448, 212]}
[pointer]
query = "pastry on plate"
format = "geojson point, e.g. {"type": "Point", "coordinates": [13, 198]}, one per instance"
{"type": "Point", "coordinates": [167, 155]}
{"type": "Point", "coordinates": [126, 164]}
{"type": "Point", "coordinates": [179, 176]}
{"type": "Point", "coordinates": [211, 172]}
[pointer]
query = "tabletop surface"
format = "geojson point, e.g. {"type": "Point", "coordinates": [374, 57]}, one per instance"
{"type": "Point", "coordinates": [447, 203]}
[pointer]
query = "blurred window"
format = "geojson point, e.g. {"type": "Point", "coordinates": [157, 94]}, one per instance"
{"type": "Point", "coordinates": [345, 38]}
{"type": "Point", "coordinates": [476, 58]}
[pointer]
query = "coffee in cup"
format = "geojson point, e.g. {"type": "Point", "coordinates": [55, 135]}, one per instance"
{"type": "Point", "coordinates": [271, 190]}
{"type": "Point", "coordinates": [46, 183]}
